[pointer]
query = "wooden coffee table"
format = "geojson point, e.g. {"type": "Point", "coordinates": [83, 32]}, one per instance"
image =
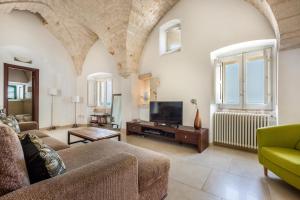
{"type": "Point", "coordinates": [92, 134]}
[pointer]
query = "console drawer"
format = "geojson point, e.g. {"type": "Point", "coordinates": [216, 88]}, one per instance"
{"type": "Point", "coordinates": [187, 137]}
{"type": "Point", "coordinates": [134, 128]}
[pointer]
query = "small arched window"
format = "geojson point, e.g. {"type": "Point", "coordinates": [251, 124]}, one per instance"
{"type": "Point", "coordinates": [170, 37]}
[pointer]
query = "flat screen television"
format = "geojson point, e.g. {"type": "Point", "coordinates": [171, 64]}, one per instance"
{"type": "Point", "coordinates": [166, 112]}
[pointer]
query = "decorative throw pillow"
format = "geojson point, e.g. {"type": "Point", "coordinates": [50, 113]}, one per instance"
{"type": "Point", "coordinates": [298, 145]}
{"type": "Point", "coordinates": [41, 160]}
{"type": "Point", "coordinates": [2, 113]}
{"type": "Point", "coordinates": [11, 122]}
{"type": "Point", "coordinates": [13, 173]}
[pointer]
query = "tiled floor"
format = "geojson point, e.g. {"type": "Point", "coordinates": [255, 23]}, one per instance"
{"type": "Point", "coordinates": [217, 173]}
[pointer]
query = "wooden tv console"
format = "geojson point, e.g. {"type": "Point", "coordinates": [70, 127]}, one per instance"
{"type": "Point", "coordinates": [183, 134]}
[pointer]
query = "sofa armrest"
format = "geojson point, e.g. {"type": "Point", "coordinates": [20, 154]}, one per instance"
{"type": "Point", "coordinates": [110, 179]}
{"type": "Point", "coordinates": [286, 136]}
{"type": "Point", "coordinates": [27, 126]}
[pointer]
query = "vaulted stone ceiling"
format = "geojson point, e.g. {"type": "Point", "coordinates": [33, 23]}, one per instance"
{"type": "Point", "coordinates": [284, 16]}
{"type": "Point", "coordinates": [124, 25]}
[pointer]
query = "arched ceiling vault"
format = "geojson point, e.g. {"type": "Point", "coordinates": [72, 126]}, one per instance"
{"type": "Point", "coordinates": [124, 25]}
{"type": "Point", "coordinates": [284, 16]}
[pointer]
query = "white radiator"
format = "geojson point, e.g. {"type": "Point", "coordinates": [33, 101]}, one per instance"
{"type": "Point", "coordinates": [238, 129]}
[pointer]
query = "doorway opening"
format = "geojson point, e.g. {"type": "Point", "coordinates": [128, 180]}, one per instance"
{"type": "Point", "coordinates": [21, 92]}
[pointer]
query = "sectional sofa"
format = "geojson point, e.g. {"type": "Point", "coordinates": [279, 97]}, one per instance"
{"type": "Point", "coordinates": [104, 170]}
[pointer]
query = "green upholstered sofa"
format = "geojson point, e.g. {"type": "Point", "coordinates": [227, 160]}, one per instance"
{"type": "Point", "coordinates": [279, 151]}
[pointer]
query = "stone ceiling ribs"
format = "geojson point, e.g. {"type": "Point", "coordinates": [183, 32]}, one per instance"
{"type": "Point", "coordinates": [76, 38]}
{"type": "Point", "coordinates": [124, 25]}
{"type": "Point", "coordinates": [284, 16]}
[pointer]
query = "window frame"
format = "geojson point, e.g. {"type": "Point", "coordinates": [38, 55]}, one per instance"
{"type": "Point", "coordinates": [99, 97]}
{"type": "Point", "coordinates": [230, 60]}
{"type": "Point", "coordinates": [15, 92]}
{"type": "Point", "coordinates": [269, 80]}
{"type": "Point", "coordinates": [163, 45]}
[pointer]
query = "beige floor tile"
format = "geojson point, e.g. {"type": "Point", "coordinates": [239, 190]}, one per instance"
{"type": "Point", "coordinates": [212, 160]}
{"type": "Point", "coordinates": [189, 173]}
{"type": "Point", "coordinates": [180, 191]}
{"type": "Point", "coordinates": [162, 146]}
{"type": "Point", "coordinates": [218, 172]}
{"type": "Point", "coordinates": [280, 190]}
{"type": "Point", "coordinates": [233, 187]}
{"type": "Point", "coordinates": [246, 167]}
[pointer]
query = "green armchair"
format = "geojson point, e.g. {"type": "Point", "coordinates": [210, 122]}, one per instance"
{"type": "Point", "coordinates": [279, 152]}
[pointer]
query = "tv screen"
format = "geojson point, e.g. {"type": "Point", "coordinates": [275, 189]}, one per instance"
{"type": "Point", "coordinates": [169, 112]}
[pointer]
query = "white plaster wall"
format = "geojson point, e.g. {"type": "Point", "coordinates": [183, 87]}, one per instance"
{"type": "Point", "coordinates": [97, 60]}
{"type": "Point", "coordinates": [23, 34]}
{"type": "Point", "coordinates": [206, 26]}
{"type": "Point", "coordinates": [288, 86]}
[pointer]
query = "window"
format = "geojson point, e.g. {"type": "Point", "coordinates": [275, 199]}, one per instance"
{"type": "Point", "coordinates": [231, 83]}
{"type": "Point", "coordinates": [21, 91]}
{"type": "Point", "coordinates": [244, 80]}
{"type": "Point", "coordinates": [104, 93]}
{"type": "Point", "coordinates": [173, 38]}
{"type": "Point", "coordinates": [170, 37]}
{"type": "Point", "coordinates": [12, 92]}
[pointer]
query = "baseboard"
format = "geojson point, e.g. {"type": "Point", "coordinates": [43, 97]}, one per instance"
{"type": "Point", "coordinates": [235, 147]}
{"type": "Point", "coordinates": [64, 126]}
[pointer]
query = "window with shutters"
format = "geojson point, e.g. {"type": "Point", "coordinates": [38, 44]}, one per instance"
{"type": "Point", "coordinates": [104, 93]}
{"type": "Point", "coordinates": [244, 80]}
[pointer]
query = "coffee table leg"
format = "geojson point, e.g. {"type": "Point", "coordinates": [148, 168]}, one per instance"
{"type": "Point", "coordinates": [119, 137]}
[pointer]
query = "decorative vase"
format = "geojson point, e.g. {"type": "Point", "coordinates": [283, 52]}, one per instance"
{"type": "Point", "coordinates": [197, 122]}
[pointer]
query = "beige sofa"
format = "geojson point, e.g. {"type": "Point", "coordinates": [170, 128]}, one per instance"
{"type": "Point", "coordinates": [104, 170]}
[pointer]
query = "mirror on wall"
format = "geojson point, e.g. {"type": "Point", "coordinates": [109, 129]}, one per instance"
{"type": "Point", "coordinates": [116, 110]}
{"type": "Point", "coordinates": [21, 92]}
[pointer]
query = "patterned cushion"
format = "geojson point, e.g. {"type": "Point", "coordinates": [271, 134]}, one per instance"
{"type": "Point", "coordinates": [13, 173]}
{"type": "Point", "coordinates": [41, 160]}
{"type": "Point", "coordinates": [11, 122]}
{"type": "Point", "coordinates": [2, 114]}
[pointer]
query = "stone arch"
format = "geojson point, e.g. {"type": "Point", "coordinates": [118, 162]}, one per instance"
{"type": "Point", "coordinates": [124, 25]}
{"type": "Point", "coordinates": [77, 46]}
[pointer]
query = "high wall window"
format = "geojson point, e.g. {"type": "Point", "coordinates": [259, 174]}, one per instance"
{"type": "Point", "coordinates": [170, 37]}
{"type": "Point", "coordinates": [244, 80]}
{"type": "Point", "coordinates": [104, 93]}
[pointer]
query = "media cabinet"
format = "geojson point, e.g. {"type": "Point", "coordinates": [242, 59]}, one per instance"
{"type": "Point", "coordinates": [182, 134]}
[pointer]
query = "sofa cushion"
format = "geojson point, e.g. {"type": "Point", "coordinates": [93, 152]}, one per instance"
{"type": "Point", "coordinates": [151, 165]}
{"type": "Point", "coordinates": [27, 126]}
{"type": "Point", "coordinates": [286, 158]}
{"type": "Point", "coordinates": [13, 172]}
{"type": "Point", "coordinates": [2, 113]}
{"type": "Point", "coordinates": [41, 160]}
{"type": "Point", "coordinates": [54, 143]}
{"type": "Point", "coordinates": [11, 122]}
{"type": "Point", "coordinates": [38, 133]}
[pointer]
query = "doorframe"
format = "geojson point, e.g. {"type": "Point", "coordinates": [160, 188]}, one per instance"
{"type": "Point", "coordinates": [35, 88]}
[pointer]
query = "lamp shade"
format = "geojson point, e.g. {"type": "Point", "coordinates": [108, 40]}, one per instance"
{"type": "Point", "coordinates": [76, 99]}
{"type": "Point", "coordinates": [53, 91]}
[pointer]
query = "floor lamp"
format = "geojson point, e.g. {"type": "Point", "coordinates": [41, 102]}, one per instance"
{"type": "Point", "coordinates": [75, 100]}
{"type": "Point", "coordinates": [52, 92]}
